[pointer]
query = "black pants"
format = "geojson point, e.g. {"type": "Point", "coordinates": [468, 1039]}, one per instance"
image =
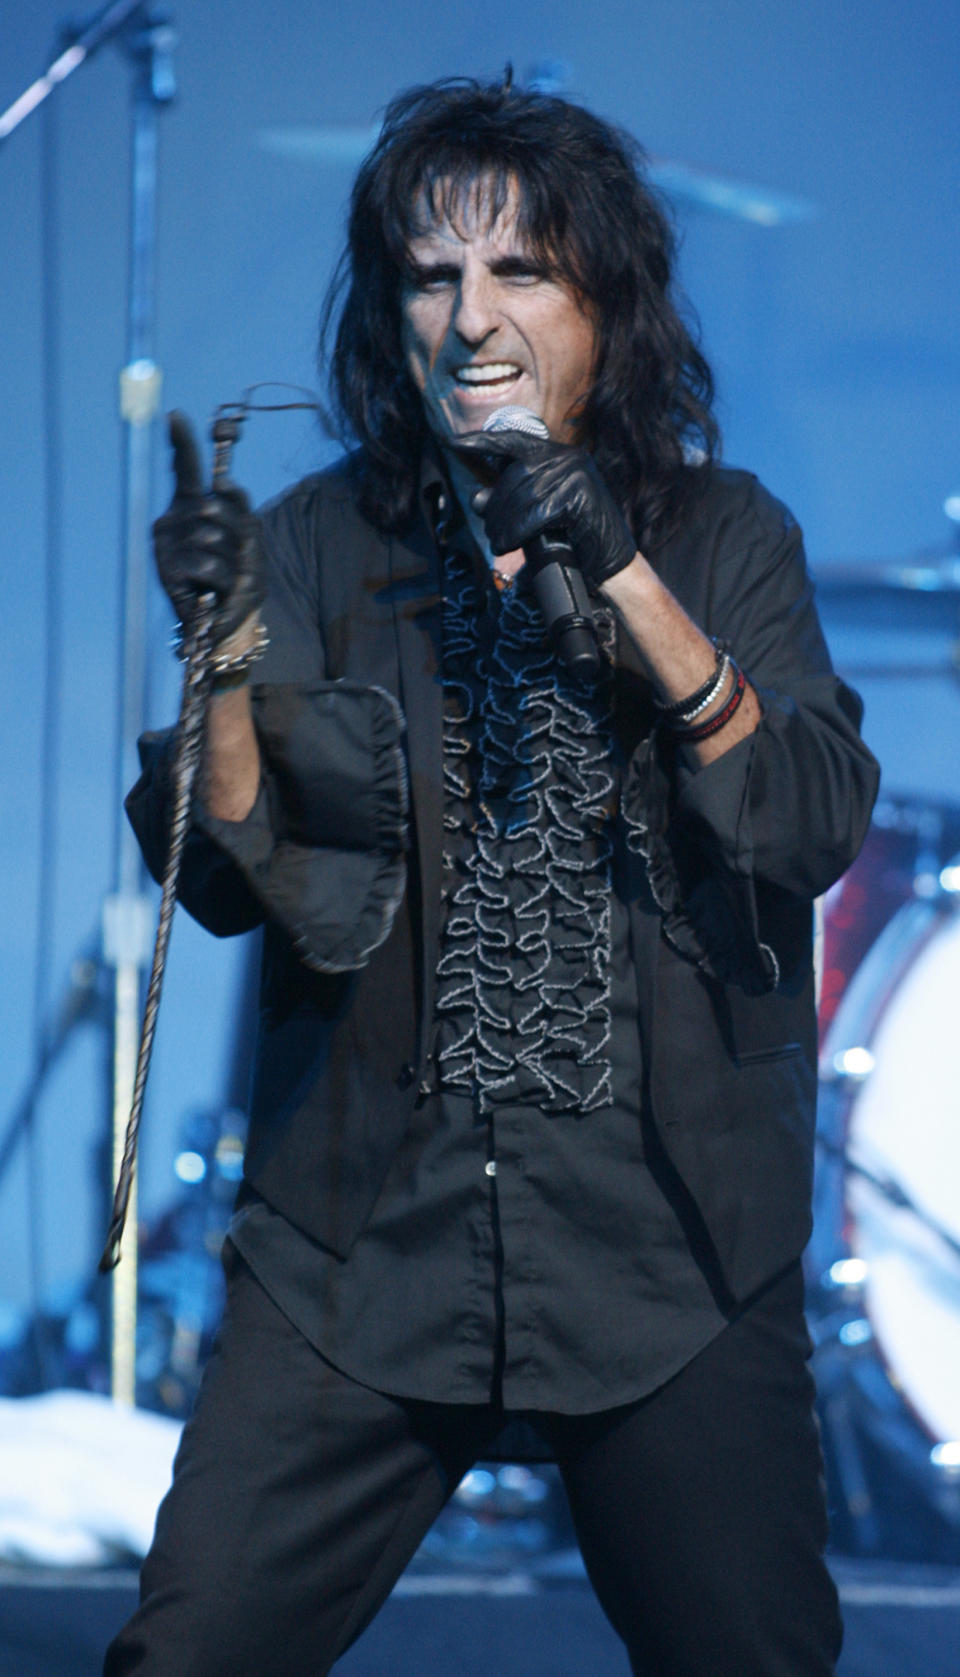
{"type": "Point", "coordinates": [299, 1496]}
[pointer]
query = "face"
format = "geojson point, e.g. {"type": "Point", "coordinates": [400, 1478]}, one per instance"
{"type": "Point", "coordinates": [484, 325]}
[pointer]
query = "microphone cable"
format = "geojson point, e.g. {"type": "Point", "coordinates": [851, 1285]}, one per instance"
{"type": "Point", "coordinates": [189, 737]}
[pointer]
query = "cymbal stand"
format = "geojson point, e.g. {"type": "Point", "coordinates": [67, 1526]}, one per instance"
{"type": "Point", "coordinates": [144, 31]}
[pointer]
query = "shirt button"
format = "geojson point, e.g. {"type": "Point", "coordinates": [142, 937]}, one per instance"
{"type": "Point", "coordinates": [491, 1167]}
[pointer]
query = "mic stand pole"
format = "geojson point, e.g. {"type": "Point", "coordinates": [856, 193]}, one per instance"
{"type": "Point", "coordinates": [145, 32]}
{"type": "Point", "coordinates": [127, 926]}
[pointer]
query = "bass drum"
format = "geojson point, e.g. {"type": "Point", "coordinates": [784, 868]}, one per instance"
{"type": "Point", "coordinates": [884, 1261]}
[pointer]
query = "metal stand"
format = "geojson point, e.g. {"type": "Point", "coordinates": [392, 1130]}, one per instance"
{"type": "Point", "coordinates": [145, 32]}
{"type": "Point", "coordinates": [127, 914]}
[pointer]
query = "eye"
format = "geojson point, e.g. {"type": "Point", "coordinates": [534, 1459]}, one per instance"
{"type": "Point", "coordinates": [432, 276]}
{"type": "Point", "coordinates": [521, 270]}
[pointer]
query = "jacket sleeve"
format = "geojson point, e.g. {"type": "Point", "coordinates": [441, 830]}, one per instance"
{"type": "Point", "coordinates": [778, 817]}
{"type": "Point", "coordinates": [322, 852]}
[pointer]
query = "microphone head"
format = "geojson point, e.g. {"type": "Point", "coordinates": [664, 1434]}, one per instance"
{"type": "Point", "coordinates": [513, 418]}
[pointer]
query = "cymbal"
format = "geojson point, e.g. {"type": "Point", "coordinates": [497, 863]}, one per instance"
{"type": "Point", "coordinates": [920, 574]}
{"type": "Point", "coordinates": [891, 670]}
{"type": "Point", "coordinates": [346, 145]}
{"type": "Point", "coordinates": [702, 189]}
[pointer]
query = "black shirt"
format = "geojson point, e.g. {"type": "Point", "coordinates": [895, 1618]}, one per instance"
{"type": "Point", "coordinates": [524, 1248]}
{"type": "Point", "coordinates": [733, 853]}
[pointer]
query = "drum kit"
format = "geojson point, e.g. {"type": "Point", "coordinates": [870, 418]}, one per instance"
{"type": "Point", "coordinates": [884, 1260]}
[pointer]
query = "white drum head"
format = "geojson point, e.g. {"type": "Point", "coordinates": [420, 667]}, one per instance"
{"type": "Point", "coordinates": [905, 1126]}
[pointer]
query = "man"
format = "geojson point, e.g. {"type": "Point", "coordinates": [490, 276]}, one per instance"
{"type": "Point", "coordinates": [531, 1123]}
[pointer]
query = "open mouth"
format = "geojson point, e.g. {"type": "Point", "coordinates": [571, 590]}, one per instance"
{"type": "Point", "coordinates": [490, 379]}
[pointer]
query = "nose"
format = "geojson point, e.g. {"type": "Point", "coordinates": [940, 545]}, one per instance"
{"type": "Point", "coordinates": [475, 313]}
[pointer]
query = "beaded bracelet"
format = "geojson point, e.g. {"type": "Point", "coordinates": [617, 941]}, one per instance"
{"type": "Point", "coordinates": [685, 710]}
{"type": "Point", "coordinates": [237, 663]}
{"type": "Point", "coordinates": [226, 663]}
{"type": "Point", "coordinates": [229, 669]}
{"type": "Point", "coordinates": [703, 730]}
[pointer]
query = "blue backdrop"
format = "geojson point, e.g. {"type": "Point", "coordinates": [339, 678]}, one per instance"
{"type": "Point", "coordinates": [836, 341]}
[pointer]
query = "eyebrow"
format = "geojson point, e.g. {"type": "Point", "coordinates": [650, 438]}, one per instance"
{"type": "Point", "coordinates": [515, 260]}
{"type": "Point", "coordinates": [511, 262]}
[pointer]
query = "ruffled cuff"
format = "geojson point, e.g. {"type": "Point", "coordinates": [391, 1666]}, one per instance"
{"type": "Point", "coordinates": [323, 847]}
{"type": "Point", "coordinates": [690, 831]}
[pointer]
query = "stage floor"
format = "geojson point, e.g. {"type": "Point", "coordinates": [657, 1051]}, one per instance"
{"type": "Point", "coordinates": [902, 1621]}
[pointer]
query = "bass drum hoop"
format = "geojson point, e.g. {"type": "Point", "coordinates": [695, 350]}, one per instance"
{"type": "Point", "coordinates": [892, 1135]}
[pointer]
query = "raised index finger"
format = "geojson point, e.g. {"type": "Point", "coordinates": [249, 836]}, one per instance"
{"type": "Point", "coordinates": [187, 465]}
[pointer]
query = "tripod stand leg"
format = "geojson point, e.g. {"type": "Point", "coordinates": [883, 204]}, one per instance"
{"type": "Point", "coordinates": [123, 1281]}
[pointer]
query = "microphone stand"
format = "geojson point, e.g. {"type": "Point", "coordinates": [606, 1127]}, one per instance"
{"type": "Point", "coordinates": [144, 31]}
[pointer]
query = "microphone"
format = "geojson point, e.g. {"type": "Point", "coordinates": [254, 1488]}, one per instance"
{"type": "Point", "coordinates": [558, 585]}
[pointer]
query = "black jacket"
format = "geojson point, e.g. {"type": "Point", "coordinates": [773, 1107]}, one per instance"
{"type": "Point", "coordinates": [728, 861]}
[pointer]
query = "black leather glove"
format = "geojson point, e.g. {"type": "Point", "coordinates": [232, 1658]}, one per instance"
{"type": "Point", "coordinates": [207, 542]}
{"type": "Point", "coordinates": [548, 485]}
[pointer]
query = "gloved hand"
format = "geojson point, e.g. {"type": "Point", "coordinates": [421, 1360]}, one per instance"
{"type": "Point", "coordinates": [548, 485]}
{"type": "Point", "coordinates": [208, 541]}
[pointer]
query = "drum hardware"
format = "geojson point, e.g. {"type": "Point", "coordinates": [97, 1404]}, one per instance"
{"type": "Point", "coordinates": [854, 1522]}
{"type": "Point", "coordinates": [890, 670]}
{"type": "Point", "coordinates": [889, 1490]}
{"type": "Point", "coordinates": [181, 1286]}
{"type": "Point", "coordinates": [904, 860]}
{"type": "Point", "coordinates": [860, 671]}
{"type": "Point", "coordinates": [181, 1276]}
{"type": "Point", "coordinates": [854, 1272]}
{"type": "Point", "coordinates": [848, 1065]}
{"type": "Point", "coordinates": [936, 572]}
{"type": "Point", "coordinates": [502, 1513]}
{"type": "Point", "coordinates": [884, 1260]}
{"type": "Point", "coordinates": [920, 591]}
{"type": "Point", "coordinates": [928, 571]}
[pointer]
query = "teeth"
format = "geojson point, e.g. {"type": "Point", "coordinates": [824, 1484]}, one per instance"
{"type": "Point", "coordinates": [491, 373]}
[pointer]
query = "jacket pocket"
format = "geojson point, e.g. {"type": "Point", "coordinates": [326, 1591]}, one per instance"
{"type": "Point", "coordinates": [774, 1051]}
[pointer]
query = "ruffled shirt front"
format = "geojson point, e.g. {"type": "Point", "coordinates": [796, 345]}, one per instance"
{"type": "Point", "coordinates": [530, 789]}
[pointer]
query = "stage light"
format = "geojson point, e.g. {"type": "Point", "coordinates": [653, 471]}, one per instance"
{"type": "Point", "coordinates": [847, 1272]}
{"type": "Point", "coordinates": [520, 1482]}
{"type": "Point", "coordinates": [946, 1456]}
{"type": "Point", "coordinates": [855, 1063]}
{"type": "Point", "coordinates": [475, 1486]}
{"type": "Point", "coordinates": [857, 1332]}
{"type": "Point", "coordinates": [190, 1167]}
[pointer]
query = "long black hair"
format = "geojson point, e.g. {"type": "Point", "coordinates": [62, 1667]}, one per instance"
{"type": "Point", "coordinates": [587, 211]}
